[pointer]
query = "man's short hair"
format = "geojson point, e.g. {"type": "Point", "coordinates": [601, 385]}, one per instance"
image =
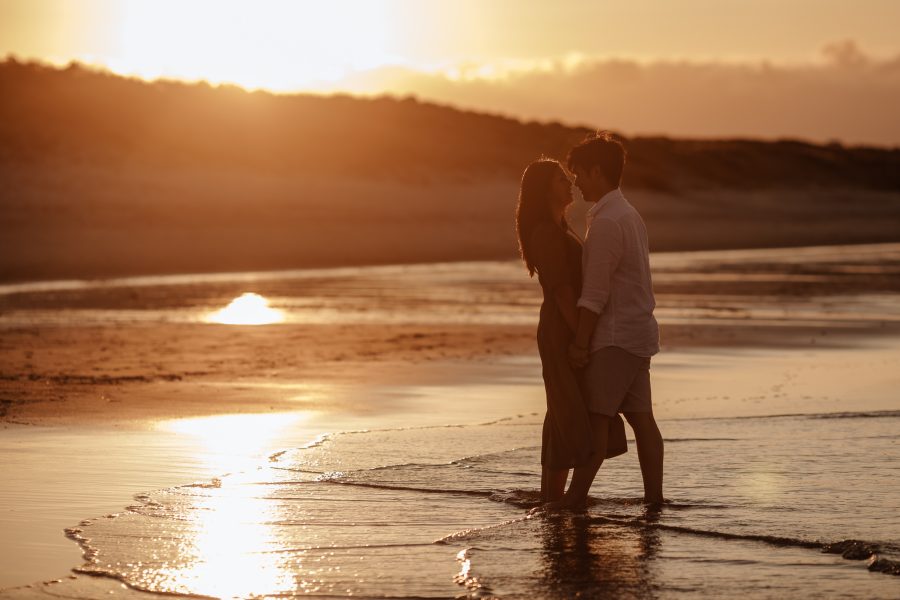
{"type": "Point", "coordinates": [601, 150]}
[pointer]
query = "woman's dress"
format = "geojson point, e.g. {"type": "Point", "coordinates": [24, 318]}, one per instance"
{"type": "Point", "coordinates": [566, 443]}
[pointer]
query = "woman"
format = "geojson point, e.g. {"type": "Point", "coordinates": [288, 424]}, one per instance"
{"type": "Point", "coordinates": [548, 246]}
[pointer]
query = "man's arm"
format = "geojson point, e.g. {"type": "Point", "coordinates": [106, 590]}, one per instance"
{"type": "Point", "coordinates": [579, 349]}
{"type": "Point", "coordinates": [587, 321]}
{"type": "Point", "coordinates": [603, 250]}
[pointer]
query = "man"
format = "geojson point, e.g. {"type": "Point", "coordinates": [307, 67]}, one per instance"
{"type": "Point", "coordinates": [617, 333]}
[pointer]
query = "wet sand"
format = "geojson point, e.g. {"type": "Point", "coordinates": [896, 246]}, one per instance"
{"type": "Point", "coordinates": [143, 347]}
{"type": "Point", "coordinates": [97, 380]}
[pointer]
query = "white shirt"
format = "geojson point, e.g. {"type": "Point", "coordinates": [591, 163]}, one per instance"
{"type": "Point", "coordinates": [616, 277]}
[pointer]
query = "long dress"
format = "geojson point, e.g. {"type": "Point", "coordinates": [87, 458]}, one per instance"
{"type": "Point", "coordinates": [566, 440]}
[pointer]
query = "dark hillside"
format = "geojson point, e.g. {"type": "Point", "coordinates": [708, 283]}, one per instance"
{"type": "Point", "coordinates": [94, 117]}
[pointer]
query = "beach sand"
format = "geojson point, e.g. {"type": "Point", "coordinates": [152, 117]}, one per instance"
{"type": "Point", "coordinates": [118, 388]}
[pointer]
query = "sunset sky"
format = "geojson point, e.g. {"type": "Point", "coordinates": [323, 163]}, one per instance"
{"type": "Point", "coordinates": [818, 69]}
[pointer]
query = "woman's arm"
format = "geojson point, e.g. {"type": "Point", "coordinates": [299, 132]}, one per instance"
{"type": "Point", "coordinates": [565, 299]}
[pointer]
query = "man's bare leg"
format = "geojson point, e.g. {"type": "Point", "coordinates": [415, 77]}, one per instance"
{"type": "Point", "coordinates": [553, 483]}
{"type": "Point", "coordinates": [583, 477]}
{"type": "Point", "coordinates": [650, 454]}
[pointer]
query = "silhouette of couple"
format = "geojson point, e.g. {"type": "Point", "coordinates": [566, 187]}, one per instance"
{"type": "Point", "coordinates": [597, 331]}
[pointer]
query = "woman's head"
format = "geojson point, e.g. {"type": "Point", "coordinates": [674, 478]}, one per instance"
{"type": "Point", "coordinates": [544, 194]}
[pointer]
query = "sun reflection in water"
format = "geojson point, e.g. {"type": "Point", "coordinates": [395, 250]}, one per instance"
{"type": "Point", "coordinates": [231, 555]}
{"type": "Point", "coordinates": [232, 550]}
{"type": "Point", "coordinates": [247, 309]}
{"type": "Point", "coordinates": [231, 443]}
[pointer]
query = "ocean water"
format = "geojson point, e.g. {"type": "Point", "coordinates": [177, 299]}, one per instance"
{"type": "Point", "coordinates": [445, 511]}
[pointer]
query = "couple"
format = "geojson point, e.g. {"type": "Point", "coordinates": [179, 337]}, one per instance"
{"type": "Point", "coordinates": [597, 331]}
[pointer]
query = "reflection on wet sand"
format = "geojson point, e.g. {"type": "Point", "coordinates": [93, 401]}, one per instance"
{"type": "Point", "coordinates": [850, 285]}
{"type": "Point", "coordinates": [247, 309]}
{"type": "Point", "coordinates": [226, 548]}
{"type": "Point", "coordinates": [232, 443]}
{"type": "Point", "coordinates": [229, 554]}
{"type": "Point", "coordinates": [585, 558]}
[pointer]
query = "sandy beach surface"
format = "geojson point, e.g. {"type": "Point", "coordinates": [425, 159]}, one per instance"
{"type": "Point", "coordinates": [419, 386]}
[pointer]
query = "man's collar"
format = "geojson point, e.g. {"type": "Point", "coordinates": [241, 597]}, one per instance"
{"type": "Point", "coordinates": [606, 199]}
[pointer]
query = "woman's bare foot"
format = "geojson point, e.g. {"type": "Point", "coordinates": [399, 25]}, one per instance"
{"type": "Point", "coordinates": [555, 505]}
{"type": "Point", "coordinates": [566, 503]}
{"type": "Point", "coordinates": [656, 502]}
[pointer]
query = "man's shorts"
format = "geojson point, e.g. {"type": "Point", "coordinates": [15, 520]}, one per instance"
{"type": "Point", "coordinates": [616, 380]}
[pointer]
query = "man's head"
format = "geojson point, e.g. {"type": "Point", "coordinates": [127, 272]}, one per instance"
{"type": "Point", "coordinates": [597, 165]}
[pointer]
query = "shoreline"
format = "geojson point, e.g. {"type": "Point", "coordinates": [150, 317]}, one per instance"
{"type": "Point", "coordinates": [140, 454]}
{"type": "Point", "coordinates": [412, 354]}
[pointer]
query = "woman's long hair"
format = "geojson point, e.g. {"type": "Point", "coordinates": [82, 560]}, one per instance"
{"type": "Point", "coordinates": [534, 204]}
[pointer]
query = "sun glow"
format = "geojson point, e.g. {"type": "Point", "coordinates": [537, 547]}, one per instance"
{"type": "Point", "coordinates": [276, 44]}
{"type": "Point", "coordinates": [231, 554]}
{"type": "Point", "coordinates": [226, 549]}
{"type": "Point", "coordinates": [231, 443]}
{"type": "Point", "coordinates": [247, 309]}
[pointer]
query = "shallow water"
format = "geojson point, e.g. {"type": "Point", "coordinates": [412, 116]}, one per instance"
{"type": "Point", "coordinates": [850, 285]}
{"type": "Point", "coordinates": [398, 513]}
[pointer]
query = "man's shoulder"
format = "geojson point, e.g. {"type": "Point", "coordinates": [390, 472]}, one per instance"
{"type": "Point", "coordinates": [607, 222]}
{"type": "Point", "coordinates": [619, 211]}
{"type": "Point", "coordinates": [614, 211]}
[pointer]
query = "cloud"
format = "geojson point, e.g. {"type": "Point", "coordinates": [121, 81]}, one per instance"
{"type": "Point", "coordinates": [847, 96]}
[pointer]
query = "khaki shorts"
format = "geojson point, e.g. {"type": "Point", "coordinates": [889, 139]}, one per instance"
{"type": "Point", "coordinates": [616, 380]}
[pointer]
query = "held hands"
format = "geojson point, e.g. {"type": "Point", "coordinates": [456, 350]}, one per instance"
{"type": "Point", "coordinates": [578, 356]}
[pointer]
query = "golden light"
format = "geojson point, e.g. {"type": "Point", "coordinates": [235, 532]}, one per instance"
{"type": "Point", "coordinates": [230, 443]}
{"type": "Point", "coordinates": [230, 553]}
{"type": "Point", "coordinates": [276, 44]}
{"type": "Point", "coordinates": [247, 309]}
{"type": "Point", "coordinates": [766, 486]}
